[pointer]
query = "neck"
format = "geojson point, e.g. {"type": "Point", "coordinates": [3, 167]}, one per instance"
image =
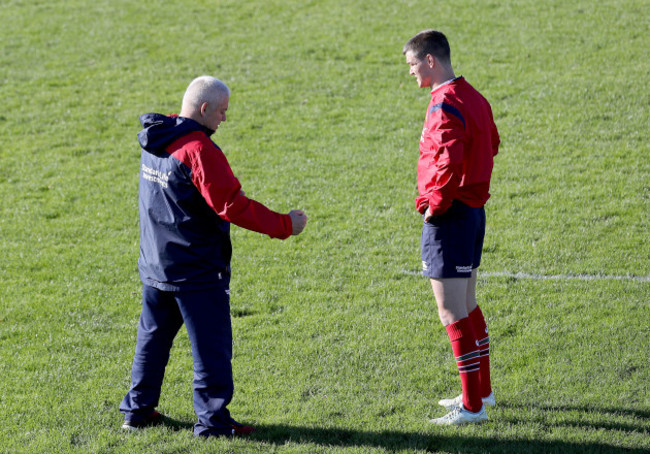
{"type": "Point", "coordinates": [190, 114]}
{"type": "Point", "coordinates": [444, 76]}
{"type": "Point", "coordinates": [197, 118]}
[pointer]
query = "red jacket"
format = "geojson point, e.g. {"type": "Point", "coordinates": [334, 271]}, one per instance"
{"type": "Point", "coordinates": [213, 177]}
{"type": "Point", "coordinates": [457, 147]}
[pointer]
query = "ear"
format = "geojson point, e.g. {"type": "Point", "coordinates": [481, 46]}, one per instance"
{"type": "Point", "coordinates": [204, 108]}
{"type": "Point", "coordinates": [431, 60]}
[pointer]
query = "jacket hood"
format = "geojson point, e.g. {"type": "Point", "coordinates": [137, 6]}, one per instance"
{"type": "Point", "coordinates": [161, 130]}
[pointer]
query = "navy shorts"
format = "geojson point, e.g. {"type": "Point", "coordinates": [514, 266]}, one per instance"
{"type": "Point", "coordinates": [452, 243]}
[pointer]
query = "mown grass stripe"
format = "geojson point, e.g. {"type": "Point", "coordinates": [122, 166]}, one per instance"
{"type": "Point", "coordinates": [558, 277]}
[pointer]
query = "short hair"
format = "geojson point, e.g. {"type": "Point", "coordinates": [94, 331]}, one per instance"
{"type": "Point", "coordinates": [205, 89]}
{"type": "Point", "coordinates": [429, 42]}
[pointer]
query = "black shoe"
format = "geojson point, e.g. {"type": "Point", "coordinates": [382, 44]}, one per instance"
{"type": "Point", "coordinates": [240, 430]}
{"type": "Point", "coordinates": [153, 419]}
{"type": "Point", "coordinates": [236, 430]}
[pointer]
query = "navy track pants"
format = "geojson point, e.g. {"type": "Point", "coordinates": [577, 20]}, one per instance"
{"type": "Point", "coordinates": [206, 314]}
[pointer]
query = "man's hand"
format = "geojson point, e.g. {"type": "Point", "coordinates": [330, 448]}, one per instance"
{"type": "Point", "coordinates": [298, 221]}
{"type": "Point", "coordinates": [427, 214]}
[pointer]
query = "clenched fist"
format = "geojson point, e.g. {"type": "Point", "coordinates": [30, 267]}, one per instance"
{"type": "Point", "coordinates": [298, 221]}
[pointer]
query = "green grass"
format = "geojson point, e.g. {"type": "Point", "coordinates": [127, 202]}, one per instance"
{"type": "Point", "coordinates": [337, 344]}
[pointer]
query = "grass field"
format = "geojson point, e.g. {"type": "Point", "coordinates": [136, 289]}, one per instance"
{"type": "Point", "coordinates": [337, 347]}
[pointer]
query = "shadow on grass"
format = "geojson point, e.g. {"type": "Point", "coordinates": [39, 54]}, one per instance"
{"type": "Point", "coordinates": [586, 423]}
{"type": "Point", "coordinates": [176, 425]}
{"type": "Point", "coordinates": [637, 413]}
{"type": "Point", "coordinates": [392, 441]}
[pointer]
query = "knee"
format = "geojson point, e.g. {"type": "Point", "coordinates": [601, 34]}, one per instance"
{"type": "Point", "coordinates": [450, 315]}
{"type": "Point", "coordinates": [446, 317]}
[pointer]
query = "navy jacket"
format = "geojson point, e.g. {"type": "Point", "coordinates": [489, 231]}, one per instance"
{"type": "Point", "coordinates": [188, 196]}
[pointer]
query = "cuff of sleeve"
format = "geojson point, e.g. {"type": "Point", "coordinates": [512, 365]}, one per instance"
{"type": "Point", "coordinates": [287, 227]}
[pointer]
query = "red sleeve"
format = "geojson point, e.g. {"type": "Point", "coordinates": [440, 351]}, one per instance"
{"type": "Point", "coordinates": [496, 140]}
{"type": "Point", "coordinates": [214, 178]}
{"type": "Point", "coordinates": [441, 162]}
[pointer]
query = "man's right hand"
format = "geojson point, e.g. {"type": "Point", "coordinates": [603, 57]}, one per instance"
{"type": "Point", "coordinates": [298, 221]}
{"type": "Point", "coordinates": [427, 214]}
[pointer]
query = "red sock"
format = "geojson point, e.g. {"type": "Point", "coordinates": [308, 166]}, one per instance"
{"type": "Point", "coordinates": [481, 331]}
{"type": "Point", "coordinates": [466, 352]}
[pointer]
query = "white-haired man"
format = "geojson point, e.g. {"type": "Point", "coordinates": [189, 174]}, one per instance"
{"type": "Point", "coordinates": [188, 196]}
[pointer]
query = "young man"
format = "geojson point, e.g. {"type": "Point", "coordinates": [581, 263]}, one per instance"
{"type": "Point", "coordinates": [457, 147]}
{"type": "Point", "coordinates": [188, 196]}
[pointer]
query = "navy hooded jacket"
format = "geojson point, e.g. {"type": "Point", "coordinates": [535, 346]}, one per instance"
{"type": "Point", "coordinates": [188, 196]}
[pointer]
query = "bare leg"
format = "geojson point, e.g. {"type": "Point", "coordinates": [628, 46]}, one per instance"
{"type": "Point", "coordinates": [452, 298]}
{"type": "Point", "coordinates": [471, 291]}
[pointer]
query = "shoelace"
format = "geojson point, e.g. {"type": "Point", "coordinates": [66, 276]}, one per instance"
{"type": "Point", "coordinates": [452, 414]}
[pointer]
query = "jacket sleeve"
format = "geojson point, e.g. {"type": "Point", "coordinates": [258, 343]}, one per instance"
{"type": "Point", "coordinates": [214, 178]}
{"type": "Point", "coordinates": [441, 163]}
{"type": "Point", "coordinates": [496, 140]}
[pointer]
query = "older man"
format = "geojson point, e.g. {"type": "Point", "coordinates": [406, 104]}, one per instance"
{"type": "Point", "coordinates": [188, 196]}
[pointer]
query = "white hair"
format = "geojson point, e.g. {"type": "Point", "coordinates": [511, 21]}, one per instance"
{"type": "Point", "coordinates": [204, 89]}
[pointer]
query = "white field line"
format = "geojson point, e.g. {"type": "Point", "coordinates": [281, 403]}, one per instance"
{"type": "Point", "coordinates": [555, 277]}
